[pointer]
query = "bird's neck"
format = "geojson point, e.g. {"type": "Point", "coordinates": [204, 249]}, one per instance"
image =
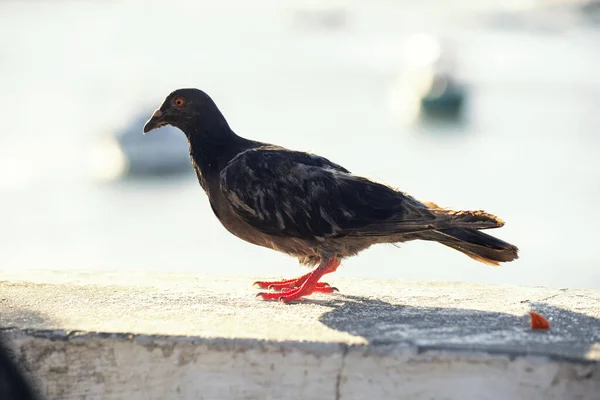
{"type": "Point", "coordinates": [211, 148]}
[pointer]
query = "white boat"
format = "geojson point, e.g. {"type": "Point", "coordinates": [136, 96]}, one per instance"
{"type": "Point", "coordinates": [128, 152]}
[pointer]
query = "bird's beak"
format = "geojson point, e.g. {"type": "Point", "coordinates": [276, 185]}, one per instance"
{"type": "Point", "coordinates": [155, 121]}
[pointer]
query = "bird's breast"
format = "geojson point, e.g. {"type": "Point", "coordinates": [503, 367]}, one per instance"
{"type": "Point", "coordinates": [302, 249]}
{"type": "Point", "coordinates": [233, 223]}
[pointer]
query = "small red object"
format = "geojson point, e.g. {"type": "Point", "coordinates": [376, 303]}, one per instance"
{"type": "Point", "coordinates": [538, 321]}
{"type": "Point", "coordinates": [293, 289]}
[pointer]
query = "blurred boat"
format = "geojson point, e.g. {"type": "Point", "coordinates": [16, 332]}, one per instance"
{"type": "Point", "coordinates": [129, 153]}
{"type": "Point", "coordinates": [444, 96]}
{"type": "Point", "coordinates": [429, 86]}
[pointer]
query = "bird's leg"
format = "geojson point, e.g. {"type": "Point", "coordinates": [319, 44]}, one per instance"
{"type": "Point", "coordinates": [310, 284]}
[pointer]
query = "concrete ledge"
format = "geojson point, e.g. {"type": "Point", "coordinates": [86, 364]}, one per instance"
{"type": "Point", "coordinates": [166, 336]}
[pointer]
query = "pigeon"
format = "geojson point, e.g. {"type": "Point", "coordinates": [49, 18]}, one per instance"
{"type": "Point", "coordinates": [307, 206]}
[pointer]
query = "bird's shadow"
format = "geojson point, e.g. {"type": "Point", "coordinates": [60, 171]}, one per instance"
{"type": "Point", "coordinates": [572, 335]}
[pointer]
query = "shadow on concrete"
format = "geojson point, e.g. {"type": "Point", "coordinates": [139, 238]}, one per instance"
{"type": "Point", "coordinates": [572, 335]}
{"type": "Point", "coordinates": [22, 317]}
{"type": "Point", "coordinates": [14, 381]}
{"type": "Point", "coordinates": [16, 378]}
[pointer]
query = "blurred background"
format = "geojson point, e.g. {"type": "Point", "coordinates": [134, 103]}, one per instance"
{"type": "Point", "coordinates": [471, 104]}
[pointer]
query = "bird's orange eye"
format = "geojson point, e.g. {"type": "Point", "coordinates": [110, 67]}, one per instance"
{"type": "Point", "coordinates": [179, 101]}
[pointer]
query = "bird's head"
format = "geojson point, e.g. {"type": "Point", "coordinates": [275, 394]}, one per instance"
{"type": "Point", "coordinates": [188, 110]}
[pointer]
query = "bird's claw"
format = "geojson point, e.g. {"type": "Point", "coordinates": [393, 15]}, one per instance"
{"type": "Point", "coordinates": [325, 289]}
{"type": "Point", "coordinates": [275, 285]}
{"type": "Point", "coordinates": [271, 296]}
{"type": "Point", "coordinates": [291, 294]}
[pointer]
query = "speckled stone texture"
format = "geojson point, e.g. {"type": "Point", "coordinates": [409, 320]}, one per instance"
{"type": "Point", "coordinates": [136, 335]}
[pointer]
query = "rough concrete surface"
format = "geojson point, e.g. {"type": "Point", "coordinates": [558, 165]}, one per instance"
{"type": "Point", "coordinates": [139, 335]}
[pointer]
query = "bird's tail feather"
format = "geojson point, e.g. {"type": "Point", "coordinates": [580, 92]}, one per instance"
{"type": "Point", "coordinates": [471, 219]}
{"type": "Point", "coordinates": [464, 219]}
{"type": "Point", "coordinates": [477, 245]}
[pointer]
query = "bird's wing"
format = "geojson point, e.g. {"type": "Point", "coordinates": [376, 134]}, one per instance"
{"type": "Point", "coordinates": [286, 193]}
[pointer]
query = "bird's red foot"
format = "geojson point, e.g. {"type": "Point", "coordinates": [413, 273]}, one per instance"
{"type": "Point", "coordinates": [288, 283]}
{"type": "Point", "coordinates": [293, 294]}
{"type": "Point", "coordinates": [283, 284]}
{"type": "Point", "coordinates": [293, 289]}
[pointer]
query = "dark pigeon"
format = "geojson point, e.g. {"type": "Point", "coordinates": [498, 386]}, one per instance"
{"type": "Point", "coordinates": [307, 206]}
